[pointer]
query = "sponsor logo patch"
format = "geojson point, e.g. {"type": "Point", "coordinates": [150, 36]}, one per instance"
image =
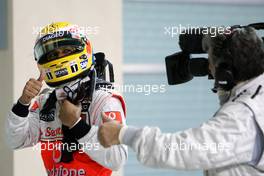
{"type": "Point", "coordinates": [50, 132]}
{"type": "Point", "coordinates": [114, 115]}
{"type": "Point", "coordinates": [62, 72]}
{"type": "Point", "coordinates": [34, 107]}
{"type": "Point", "coordinates": [84, 64]}
{"type": "Point", "coordinates": [61, 171]}
{"type": "Point", "coordinates": [50, 116]}
{"type": "Point", "coordinates": [51, 36]}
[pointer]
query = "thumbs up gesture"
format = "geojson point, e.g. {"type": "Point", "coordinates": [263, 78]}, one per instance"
{"type": "Point", "coordinates": [32, 89]}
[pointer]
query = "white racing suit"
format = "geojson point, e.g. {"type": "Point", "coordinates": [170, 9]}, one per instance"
{"type": "Point", "coordinates": [92, 159]}
{"type": "Point", "coordinates": [229, 144]}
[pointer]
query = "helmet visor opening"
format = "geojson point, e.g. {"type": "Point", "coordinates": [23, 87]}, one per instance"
{"type": "Point", "coordinates": [58, 48]}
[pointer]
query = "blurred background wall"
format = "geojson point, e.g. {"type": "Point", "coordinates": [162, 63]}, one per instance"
{"type": "Point", "coordinates": [6, 82]}
{"type": "Point", "coordinates": [133, 36]}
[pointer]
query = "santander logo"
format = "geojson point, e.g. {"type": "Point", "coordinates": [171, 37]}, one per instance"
{"type": "Point", "coordinates": [49, 132]}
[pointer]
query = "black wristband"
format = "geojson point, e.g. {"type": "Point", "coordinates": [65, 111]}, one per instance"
{"type": "Point", "coordinates": [80, 129]}
{"type": "Point", "coordinates": [20, 109]}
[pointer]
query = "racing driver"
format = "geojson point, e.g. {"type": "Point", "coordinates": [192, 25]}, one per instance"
{"type": "Point", "coordinates": [64, 118]}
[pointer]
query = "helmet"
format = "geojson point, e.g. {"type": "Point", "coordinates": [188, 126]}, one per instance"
{"type": "Point", "coordinates": [63, 52]}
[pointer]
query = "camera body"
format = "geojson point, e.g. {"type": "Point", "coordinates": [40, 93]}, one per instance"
{"type": "Point", "coordinates": [181, 67]}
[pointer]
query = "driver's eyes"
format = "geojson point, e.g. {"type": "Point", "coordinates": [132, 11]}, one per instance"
{"type": "Point", "coordinates": [60, 53]}
{"type": "Point", "coordinates": [67, 51]}
{"type": "Point", "coordinates": [53, 55]}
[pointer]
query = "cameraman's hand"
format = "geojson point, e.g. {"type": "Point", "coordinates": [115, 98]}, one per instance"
{"type": "Point", "coordinates": [69, 113]}
{"type": "Point", "coordinates": [31, 89]}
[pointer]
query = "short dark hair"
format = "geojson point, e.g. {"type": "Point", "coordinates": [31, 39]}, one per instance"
{"type": "Point", "coordinates": [243, 49]}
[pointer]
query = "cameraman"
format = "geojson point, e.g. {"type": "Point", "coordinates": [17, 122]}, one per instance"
{"type": "Point", "coordinates": [230, 143]}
